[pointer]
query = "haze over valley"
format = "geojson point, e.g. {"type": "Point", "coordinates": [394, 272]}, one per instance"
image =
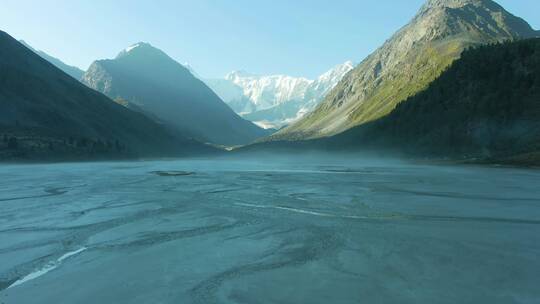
{"type": "Point", "coordinates": [164, 171]}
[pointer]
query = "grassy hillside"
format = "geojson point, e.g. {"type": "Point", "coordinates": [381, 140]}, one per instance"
{"type": "Point", "coordinates": [407, 63]}
{"type": "Point", "coordinates": [486, 105]}
{"type": "Point", "coordinates": [425, 64]}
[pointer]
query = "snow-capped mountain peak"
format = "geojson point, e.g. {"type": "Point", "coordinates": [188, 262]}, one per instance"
{"type": "Point", "coordinates": [268, 91]}
{"type": "Point", "coordinates": [137, 45]}
{"type": "Point", "coordinates": [130, 48]}
{"type": "Point", "coordinates": [276, 100]}
{"type": "Point", "coordinates": [337, 72]}
{"type": "Point", "coordinates": [330, 79]}
{"type": "Point", "coordinates": [138, 48]}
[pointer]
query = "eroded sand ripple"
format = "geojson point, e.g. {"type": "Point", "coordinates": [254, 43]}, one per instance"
{"type": "Point", "coordinates": [297, 231]}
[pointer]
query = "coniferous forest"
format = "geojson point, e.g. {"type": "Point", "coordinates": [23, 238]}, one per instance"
{"type": "Point", "coordinates": [486, 105]}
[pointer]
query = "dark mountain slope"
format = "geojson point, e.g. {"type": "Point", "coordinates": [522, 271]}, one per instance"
{"type": "Point", "coordinates": [72, 71]}
{"type": "Point", "coordinates": [148, 79]}
{"type": "Point", "coordinates": [46, 114]}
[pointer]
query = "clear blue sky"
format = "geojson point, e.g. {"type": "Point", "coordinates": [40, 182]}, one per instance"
{"type": "Point", "coordinates": [300, 37]}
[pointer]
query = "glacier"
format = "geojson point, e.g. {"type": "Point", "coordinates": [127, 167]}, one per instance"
{"type": "Point", "coordinates": [273, 101]}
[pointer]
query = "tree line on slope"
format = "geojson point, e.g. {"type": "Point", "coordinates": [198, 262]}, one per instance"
{"type": "Point", "coordinates": [486, 104]}
{"type": "Point", "coordinates": [31, 145]}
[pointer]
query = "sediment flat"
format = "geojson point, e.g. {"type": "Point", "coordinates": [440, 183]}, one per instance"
{"type": "Point", "coordinates": [288, 231]}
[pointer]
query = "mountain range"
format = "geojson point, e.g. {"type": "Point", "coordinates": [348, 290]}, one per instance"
{"type": "Point", "coordinates": [406, 63]}
{"type": "Point", "coordinates": [145, 79]}
{"type": "Point", "coordinates": [274, 101]}
{"type": "Point", "coordinates": [72, 71]}
{"type": "Point", "coordinates": [460, 80]}
{"type": "Point", "coordinates": [484, 108]}
{"type": "Point", "coordinates": [47, 114]}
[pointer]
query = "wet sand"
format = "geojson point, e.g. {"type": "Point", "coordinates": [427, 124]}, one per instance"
{"type": "Point", "coordinates": [283, 232]}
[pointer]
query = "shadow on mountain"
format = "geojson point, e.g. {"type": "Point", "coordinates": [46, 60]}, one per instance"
{"type": "Point", "coordinates": [48, 115]}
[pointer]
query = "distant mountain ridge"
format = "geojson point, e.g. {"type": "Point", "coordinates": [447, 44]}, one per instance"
{"type": "Point", "coordinates": [72, 71]}
{"type": "Point", "coordinates": [406, 63]}
{"type": "Point", "coordinates": [146, 79]}
{"type": "Point", "coordinates": [484, 108]}
{"type": "Point", "coordinates": [46, 114]}
{"type": "Point", "coordinates": [275, 100]}
{"type": "Point", "coordinates": [268, 91]}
